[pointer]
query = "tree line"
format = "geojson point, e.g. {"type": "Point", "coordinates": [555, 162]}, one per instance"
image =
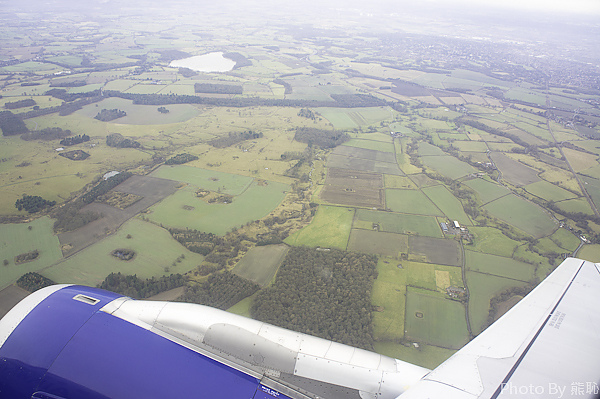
{"type": "Point", "coordinates": [220, 290]}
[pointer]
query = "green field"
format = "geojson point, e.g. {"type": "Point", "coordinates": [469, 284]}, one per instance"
{"type": "Point", "coordinates": [350, 118]}
{"type": "Point", "coordinates": [260, 263]}
{"type": "Point", "coordinates": [330, 228]}
{"type": "Point", "coordinates": [590, 252]}
{"type": "Point", "coordinates": [576, 205]}
{"type": "Point", "coordinates": [155, 250]}
{"type": "Point", "coordinates": [491, 240]}
{"type": "Point", "coordinates": [523, 215]}
{"type": "Point", "coordinates": [142, 114]}
{"type": "Point", "coordinates": [184, 209]}
{"type": "Point", "coordinates": [410, 201]}
{"type": "Point", "coordinates": [212, 180]}
{"type": "Point", "coordinates": [426, 149]}
{"type": "Point", "coordinates": [450, 206]}
{"type": "Point", "coordinates": [393, 181]}
{"type": "Point", "coordinates": [398, 223]}
{"type": "Point", "coordinates": [549, 191]}
{"type": "Point", "coordinates": [499, 266]}
{"type": "Point", "coordinates": [389, 296]}
{"type": "Point", "coordinates": [377, 242]}
{"type": "Point", "coordinates": [449, 166]}
{"type": "Point", "coordinates": [482, 288]}
{"type": "Point", "coordinates": [371, 145]}
{"type": "Point", "coordinates": [565, 239]}
{"type": "Point", "coordinates": [16, 239]}
{"type": "Point", "coordinates": [442, 323]}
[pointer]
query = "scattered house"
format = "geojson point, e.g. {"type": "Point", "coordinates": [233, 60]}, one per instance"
{"type": "Point", "coordinates": [455, 292]}
{"type": "Point", "coordinates": [110, 174]}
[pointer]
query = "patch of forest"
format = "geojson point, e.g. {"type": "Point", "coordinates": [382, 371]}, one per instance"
{"type": "Point", "coordinates": [11, 124]}
{"type": "Point", "coordinates": [107, 115]}
{"type": "Point", "coordinates": [33, 203]}
{"type": "Point", "coordinates": [28, 102]}
{"type": "Point", "coordinates": [326, 293]}
{"type": "Point", "coordinates": [163, 110]}
{"type": "Point", "coordinates": [33, 281]}
{"type": "Point", "coordinates": [320, 137]}
{"type": "Point", "coordinates": [220, 290]}
{"type": "Point", "coordinates": [180, 159]}
{"type": "Point", "coordinates": [288, 89]}
{"type": "Point", "coordinates": [68, 141]}
{"type": "Point", "coordinates": [239, 59]}
{"type": "Point", "coordinates": [215, 88]}
{"type": "Point", "coordinates": [234, 137]}
{"type": "Point", "coordinates": [63, 83]}
{"type": "Point", "coordinates": [137, 288]}
{"type": "Point", "coordinates": [117, 140]}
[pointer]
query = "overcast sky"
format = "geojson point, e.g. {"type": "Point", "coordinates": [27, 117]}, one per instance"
{"type": "Point", "coordinates": [566, 6]}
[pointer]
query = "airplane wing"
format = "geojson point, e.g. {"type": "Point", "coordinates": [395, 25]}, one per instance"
{"type": "Point", "coordinates": [80, 342]}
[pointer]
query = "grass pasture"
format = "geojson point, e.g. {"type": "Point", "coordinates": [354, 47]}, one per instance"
{"type": "Point", "coordinates": [513, 171]}
{"type": "Point", "coordinates": [377, 242]}
{"type": "Point", "coordinates": [565, 239]}
{"type": "Point", "coordinates": [330, 228]}
{"type": "Point", "coordinates": [428, 356]}
{"type": "Point", "coordinates": [590, 252]}
{"type": "Point", "coordinates": [491, 241]}
{"type": "Point", "coordinates": [435, 320]}
{"type": "Point", "coordinates": [410, 201]}
{"type": "Point", "coordinates": [16, 239]}
{"type": "Point", "coordinates": [184, 209]}
{"type": "Point", "coordinates": [549, 191]}
{"type": "Point", "coordinates": [393, 181]}
{"type": "Point", "coordinates": [523, 215]}
{"type": "Point", "coordinates": [260, 264]}
{"type": "Point", "coordinates": [449, 205]}
{"type": "Point", "coordinates": [576, 205]}
{"type": "Point", "coordinates": [207, 179]}
{"type": "Point", "coordinates": [482, 288]}
{"type": "Point", "coordinates": [449, 166]}
{"type": "Point", "coordinates": [141, 114]}
{"type": "Point", "coordinates": [487, 190]}
{"type": "Point", "coordinates": [499, 266]}
{"type": "Point", "coordinates": [154, 247]}
{"type": "Point", "coordinates": [399, 223]}
{"type": "Point", "coordinates": [389, 296]}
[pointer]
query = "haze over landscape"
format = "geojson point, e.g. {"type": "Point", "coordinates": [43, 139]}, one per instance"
{"type": "Point", "coordinates": [377, 174]}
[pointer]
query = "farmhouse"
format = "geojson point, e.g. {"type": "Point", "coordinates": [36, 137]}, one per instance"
{"type": "Point", "coordinates": [456, 224]}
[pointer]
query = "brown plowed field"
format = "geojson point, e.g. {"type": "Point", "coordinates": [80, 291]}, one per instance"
{"type": "Point", "coordinates": [358, 196]}
{"type": "Point", "coordinates": [353, 178]}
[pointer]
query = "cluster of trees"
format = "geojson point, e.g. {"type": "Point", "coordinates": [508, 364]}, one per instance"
{"type": "Point", "coordinates": [69, 217]}
{"type": "Point", "coordinates": [134, 287]}
{"type": "Point", "coordinates": [180, 159]}
{"type": "Point", "coordinates": [197, 241]}
{"type": "Point", "coordinates": [240, 60]}
{"type": "Point", "coordinates": [62, 94]}
{"type": "Point", "coordinates": [320, 137]}
{"type": "Point", "coordinates": [28, 102]}
{"type": "Point", "coordinates": [234, 137]}
{"type": "Point", "coordinates": [107, 115]}
{"type": "Point", "coordinates": [216, 88]}
{"type": "Point", "coordinates": [105, 186]}
{"type": "Point", "coordinates": [33, 281]}
{"type": "Point", "coordinates": [33, 203]}
{"type": "Point", "coordinates": [187, 72]}
{"type": "Point", "coordinates": [48, 133]}
{"type": "Point", "coordinates": [326, 293]}
{"type": "Point", "coordinates": [117, 140]}
{"type": "Point", "coordinates": [220, 290]}
{"type": "Point", "coordinates": [306, 113]}
{"type": "Point", "coordinates": [123, 254]}
{"type": "Point", "coordinates": [11, 124]}
{"type": "Point", "coordinates": [68, 141]}
{"type": "Point", "coordinates": [163, 110]}
{"type": "Point", "coordinates": [26, 257]}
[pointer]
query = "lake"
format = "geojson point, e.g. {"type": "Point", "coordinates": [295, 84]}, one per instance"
{"type": "Point", "coordinates": [211, 62]}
